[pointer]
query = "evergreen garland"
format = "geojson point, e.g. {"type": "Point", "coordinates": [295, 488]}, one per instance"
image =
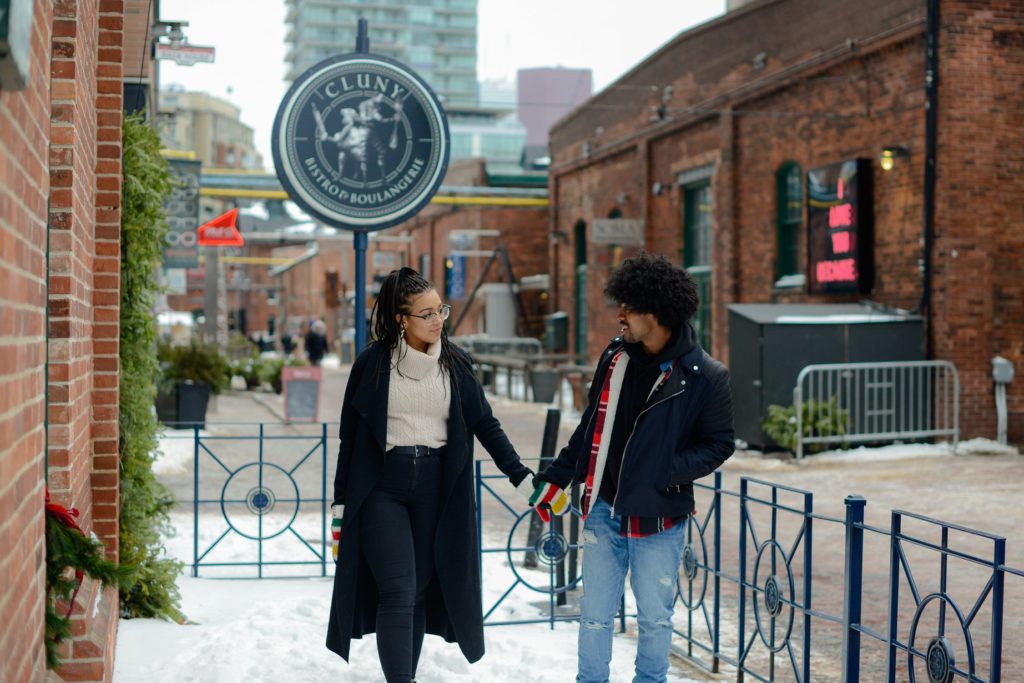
{"type": "Point", "coordinates": [67, 548]}
{"type": "Point", "coordinates": [145, 502]}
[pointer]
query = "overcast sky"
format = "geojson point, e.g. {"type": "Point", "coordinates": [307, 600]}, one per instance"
{"type": "Point", "coordinates": [513, 34]}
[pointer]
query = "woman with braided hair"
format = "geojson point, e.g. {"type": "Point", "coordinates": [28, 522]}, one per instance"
{"type": "Point", "coordinates": [404, 512]}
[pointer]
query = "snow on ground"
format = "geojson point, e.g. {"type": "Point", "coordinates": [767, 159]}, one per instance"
{"type": "Point", "coordinates": [976, 446]}
{"type": "Point", "coordinates": [274, 629]}
{"type": "Point", "coordinates": [176, 452]}
{"type": "Point", "coordinates": [890, 453]}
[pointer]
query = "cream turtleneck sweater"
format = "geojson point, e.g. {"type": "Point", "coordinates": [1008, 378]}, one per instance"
{"type": "Point", "coordinates": [418, 398]}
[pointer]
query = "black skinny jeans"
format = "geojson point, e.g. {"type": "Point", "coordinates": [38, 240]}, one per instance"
{"type": "Point", "coordinates": [399, 520]}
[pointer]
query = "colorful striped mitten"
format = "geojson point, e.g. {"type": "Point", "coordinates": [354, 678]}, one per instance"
{"type": "Point", "coordinates": [337, 512]}
{"type": "Point", "coordinates": [548, 496]}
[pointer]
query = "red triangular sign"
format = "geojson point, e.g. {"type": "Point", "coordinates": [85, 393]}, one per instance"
{"type": "Point", "coordinates": [221, 231]}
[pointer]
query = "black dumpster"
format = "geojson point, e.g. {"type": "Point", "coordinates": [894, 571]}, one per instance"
{"type": "Point", "coordinates": [770, 343]}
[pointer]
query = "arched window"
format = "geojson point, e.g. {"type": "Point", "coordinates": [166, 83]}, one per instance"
{"type": "Point", "coordinates": [789, 203]}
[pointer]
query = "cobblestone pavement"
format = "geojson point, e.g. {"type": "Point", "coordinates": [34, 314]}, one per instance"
{"type": "Point", "coordinates": [979, 492]}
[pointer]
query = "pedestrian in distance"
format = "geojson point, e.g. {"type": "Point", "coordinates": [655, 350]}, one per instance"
{"type": "Point", "coordinates": [287, 343]}
{"type": "Point", "coordinates": [316, 342]}
{"type": "Point", "coordinates": [404, 521]}
{"type": "Point", "coordinates": [660, 417]}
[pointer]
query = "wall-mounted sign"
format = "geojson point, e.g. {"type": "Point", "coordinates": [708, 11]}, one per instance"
{"type": "Point", "coordinates": [840, 228]}
{"type": "Point", "coordinates": [618, 231]}
{"type": "Point", "coordinates": [15, 43]}
{"type": "Point", "coordinates": [186, 55]}
{"type": "Point", "coordinates": [360, 141]}
{"type": "Point", "coordinates": [182, 250]}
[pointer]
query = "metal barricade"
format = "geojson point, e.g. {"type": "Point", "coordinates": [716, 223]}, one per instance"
{"type": "Point", "coordinates": [840, 403]}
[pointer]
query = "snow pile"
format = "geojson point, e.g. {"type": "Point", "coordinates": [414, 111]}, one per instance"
{"type": "Point", "coordinates": [880, 453]}
{"type": "Point", "coordinates": [981, 446]}
{"type": "Point", "coordinates": [176, 452]}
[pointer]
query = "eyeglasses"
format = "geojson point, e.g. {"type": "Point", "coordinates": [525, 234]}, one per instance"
{"type": "Point", "coordinates": [443, 312]}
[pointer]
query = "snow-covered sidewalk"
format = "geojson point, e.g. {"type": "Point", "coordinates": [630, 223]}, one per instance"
{"type": "Point", "coordinates": [274, 629]}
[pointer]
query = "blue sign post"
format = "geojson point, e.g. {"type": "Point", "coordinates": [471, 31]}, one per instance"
{"type": "Point", "coordinates": [360, 142]}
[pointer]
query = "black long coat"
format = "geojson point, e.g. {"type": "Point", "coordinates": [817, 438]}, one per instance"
{"type": "Point", "coordinates": [454, 609]}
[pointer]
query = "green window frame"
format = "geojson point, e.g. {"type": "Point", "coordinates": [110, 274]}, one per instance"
{"type": "Point", "coordinates": [698, 227]}
{"type": "Point", "coordinates": [789, 219]}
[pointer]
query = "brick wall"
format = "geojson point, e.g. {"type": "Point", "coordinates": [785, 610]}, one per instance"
{"type": "Point", "coordinates": [979, 249]}
{"type": "Point", "coordinates": [24, 186]}
{"type": "Point", "coordinates": [814, 104]}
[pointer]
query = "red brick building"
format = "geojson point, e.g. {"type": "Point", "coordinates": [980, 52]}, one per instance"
{"type": "Point", "coordinates": [60, 195]}
{"type": "Point", "coordinates": [708, 144]}
{"type": "Point", "coordinates": [504, 217]}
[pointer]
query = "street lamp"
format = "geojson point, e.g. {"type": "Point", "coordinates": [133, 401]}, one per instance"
{"type": "Point", "coordinates": [890, 154]}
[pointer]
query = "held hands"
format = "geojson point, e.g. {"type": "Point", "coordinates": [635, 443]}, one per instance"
{"type": "Point", "coordinates": [337, 512]}
{"type": "Point", "coordinates": [546, 498]}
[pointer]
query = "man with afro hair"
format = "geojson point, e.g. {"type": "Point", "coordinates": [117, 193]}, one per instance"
{"type": "Point", "coordinates": [660, 417]}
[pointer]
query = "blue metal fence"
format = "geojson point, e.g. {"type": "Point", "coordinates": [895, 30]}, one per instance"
{"type": "Point", "coordinates": [258, 487]}
{"type": "Point", "coordinates": [768, 586]}
{"type": "Point", "coordinates": [768, 633]}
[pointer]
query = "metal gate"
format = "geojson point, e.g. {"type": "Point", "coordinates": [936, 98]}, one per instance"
{"type": "Point", "coordinates": [840, 403]}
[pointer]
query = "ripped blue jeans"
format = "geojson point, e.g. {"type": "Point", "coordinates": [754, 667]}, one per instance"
{"type": "Point", "coordinates": [653, 563]}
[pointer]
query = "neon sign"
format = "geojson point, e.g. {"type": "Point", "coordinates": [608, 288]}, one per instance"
{"type": "Point", "coordinates": [840, 240]}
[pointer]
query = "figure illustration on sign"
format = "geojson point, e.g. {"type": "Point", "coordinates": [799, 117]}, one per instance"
{"type": "Point", "coordinates": [365, 133]}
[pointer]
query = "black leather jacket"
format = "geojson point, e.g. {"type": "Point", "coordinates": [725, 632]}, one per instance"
{"type": "Point", "coordinates": [684, 434]}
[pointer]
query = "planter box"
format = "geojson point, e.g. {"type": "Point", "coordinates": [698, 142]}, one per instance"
{"type": "Point", "coordinates": [545, 385]}
{"type": "Point", "coordinates": [185, 407]}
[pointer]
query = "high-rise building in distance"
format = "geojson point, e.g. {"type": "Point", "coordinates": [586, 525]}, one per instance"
{"type": "Point", "coordinates": [437, 38]}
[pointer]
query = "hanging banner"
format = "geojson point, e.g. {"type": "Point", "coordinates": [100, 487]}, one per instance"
{"type": "Point", "coordinates": [182, 250]}
{"type": "Point", "coordinates": [360, 141]}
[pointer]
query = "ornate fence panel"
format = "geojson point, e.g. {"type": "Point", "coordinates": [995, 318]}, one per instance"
{"type": "Point", "coordinates": [772, 631]}
{"type": "Point", "coordinates": [260, 496]}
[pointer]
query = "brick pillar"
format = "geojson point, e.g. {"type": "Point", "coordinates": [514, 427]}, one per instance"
{"type": "Point", "coordinates": [84, 174]}
{"type": "Point", "coordinates": [106, 277]}
{"type": "Point", "coordinates": [24, 186]}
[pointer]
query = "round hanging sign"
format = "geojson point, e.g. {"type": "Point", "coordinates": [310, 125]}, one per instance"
{"type": "Point", "coordinates": [360, 142]}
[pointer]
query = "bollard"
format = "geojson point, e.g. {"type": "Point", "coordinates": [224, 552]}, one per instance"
{"type": "Point", "coordinates": [852, 587]}
{"type": "Point", "coordinates": [547, 454]}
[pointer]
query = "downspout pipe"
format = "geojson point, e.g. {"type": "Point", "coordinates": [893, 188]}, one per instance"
{"type": "Point", "coordinates": [931, 89]}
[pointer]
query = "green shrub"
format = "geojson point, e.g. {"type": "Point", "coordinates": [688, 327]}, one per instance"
{"type": "Point", "coordinates": [152, 590]}
{"type": "Point", "coordinates": [250, 370]}
{"type": "Point", "coordinates": [67, 549]}
{"type": "Point", "coordinates": [271, 371]}
{"type": "Point", "coordinates": [819, 419]}
{"type": "Point", "coordinates": [198, 363]}
{"type": "Point", "coordinates": [239, 348]}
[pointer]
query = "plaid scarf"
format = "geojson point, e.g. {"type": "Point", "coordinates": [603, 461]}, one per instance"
{"type": "Point", "coordinates": [604, 422]}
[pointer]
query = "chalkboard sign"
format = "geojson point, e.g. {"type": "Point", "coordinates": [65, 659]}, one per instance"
{"type": "Point", "coordinates": [301, 393]}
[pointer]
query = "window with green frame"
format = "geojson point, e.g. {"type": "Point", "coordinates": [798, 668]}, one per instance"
{"type": "Point", "coordinates": [789, 219]}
